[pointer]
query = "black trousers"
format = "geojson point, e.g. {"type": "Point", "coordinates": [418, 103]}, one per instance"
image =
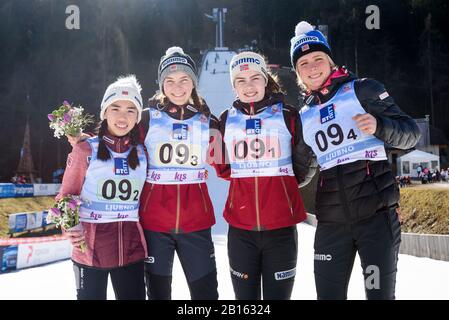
{"type": "Point", "coordinates": [197, 256]}
{"type": "Point", "coordinates": [128, 282]}
{"type": "Point", "coordinates": [376, 239]}
{"type": "Point", "coordinates": [263, 261]}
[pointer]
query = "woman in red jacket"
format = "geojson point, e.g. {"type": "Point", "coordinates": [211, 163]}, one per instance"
{"type": "Point", "coordinates": [108, 172]}
{"type": "Point", "coordinates": [176, 210]}
{"type": "Point", "coordinates": [264, 204]}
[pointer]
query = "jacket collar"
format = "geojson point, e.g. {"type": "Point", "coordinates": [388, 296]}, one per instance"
{"type": "Point", "coordinates": [256, 107]}
{"type": "Point", "coordinates": [117, 144]}
{"type": "Point", "coordinates": [329, 88]}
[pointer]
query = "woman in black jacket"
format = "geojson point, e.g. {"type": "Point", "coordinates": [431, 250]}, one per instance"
{"type": "Point", "coordinates": [347, 123]}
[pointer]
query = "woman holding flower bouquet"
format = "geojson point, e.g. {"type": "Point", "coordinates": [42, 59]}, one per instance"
{"type": "Point", "coordinates": [108, 172]}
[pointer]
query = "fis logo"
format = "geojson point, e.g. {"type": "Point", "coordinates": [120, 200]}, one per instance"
{"type": "Point", "coordinates": [253, 126]}
{"type": "Point", "coordinates": [121, 167]}
{"type": "Point", "coordinates": [327, 113]}
{"type": "Point", "coordinates": [180, 131]}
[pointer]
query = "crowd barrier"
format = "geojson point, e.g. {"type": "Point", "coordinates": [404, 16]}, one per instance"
{"type": "Point", "coordinates": [11, 190]}
{"type": "Point", "coordinates": [19, 253]}
{"type": "Point", "coordinates": [27, 221]}
{"type": "Point", "coordinates": [434, 246]}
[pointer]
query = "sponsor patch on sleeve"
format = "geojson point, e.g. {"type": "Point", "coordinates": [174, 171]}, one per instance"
{"type": "Point", "coordinates": [384, 95]}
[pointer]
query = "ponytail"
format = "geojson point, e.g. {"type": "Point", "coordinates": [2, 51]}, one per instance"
{"type": "Point", "coordinates": [133, 158]}
{"type": "Point", "coordinates": [103, 152]}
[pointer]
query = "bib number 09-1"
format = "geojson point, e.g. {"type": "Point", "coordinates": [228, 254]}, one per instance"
{"type": "Point", "coordinates": [260, 148]}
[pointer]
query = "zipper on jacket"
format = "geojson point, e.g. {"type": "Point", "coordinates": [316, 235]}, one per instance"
{"type": "Point", "coordinates": [257, 204]}
{"type": "Point", "coordinates": [148, 197]}
{"type": "Point", "coordinates": [341, 191]}
{"type": "Point", "coordinates": [178, 207]}
{"type": "Point", "coordinates": [120, 244]}
{"type": "Point", "coordinates": [286, 195]}
{"type": "Point", "coordinates": [251, 112]}
{"type": "Point", "coordinates": [232, 195]}
{"type": "Point", "coordinates": [204, 199]}
{"type": "Point", "coordinates": [251, 108]}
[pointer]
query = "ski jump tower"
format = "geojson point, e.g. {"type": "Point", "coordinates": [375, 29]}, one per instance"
{"type": "Point", "coordinates": [218, 17]}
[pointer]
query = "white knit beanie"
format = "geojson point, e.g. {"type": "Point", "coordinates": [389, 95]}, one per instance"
{"type": "Point", "coordinates": [124, 88]}
{"type": "Point", "coordinates": [247, 61]}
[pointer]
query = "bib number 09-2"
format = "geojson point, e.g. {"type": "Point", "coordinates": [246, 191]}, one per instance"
{"type": "Point", "coordinates": [124, 189]}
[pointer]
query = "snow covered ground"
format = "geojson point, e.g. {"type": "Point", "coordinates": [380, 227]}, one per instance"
{"type": "Point", "coordinates": [418, 278]}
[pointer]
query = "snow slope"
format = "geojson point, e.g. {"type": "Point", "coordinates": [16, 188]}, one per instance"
{"type": "Point", "coordinates": [215, 87]}
{"type": "Point", "coordinates": [418, 278]}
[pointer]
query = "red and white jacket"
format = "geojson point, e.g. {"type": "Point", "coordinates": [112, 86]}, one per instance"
{"type": "Point", "coordinates": [176, 208]}
{"type": "Point", "coordinates": [109, 245]}
{"type": "Point", "coordinates": [262, 203]}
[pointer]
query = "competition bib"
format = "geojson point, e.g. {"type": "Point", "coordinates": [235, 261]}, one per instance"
{"type": "Point", "coordinates": [111, 189]}
{"type": "Point", "coordinates": [177, 148]}
{"type": "Point", "coordinates": [332, 134]}
{"type": "Point", "coordinates": [258, 145]}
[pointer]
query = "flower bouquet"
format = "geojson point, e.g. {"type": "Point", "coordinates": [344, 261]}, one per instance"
{"type": "Point", "coordinates": [65, 214]}
{"type": "Point", "coordinates": [68, 120]}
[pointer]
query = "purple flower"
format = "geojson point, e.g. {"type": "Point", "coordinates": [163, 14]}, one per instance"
{"type": "Point", "coordinates": [55, 211]}
{"type": "Point", "coordinates": [50, 117]}
{"type": "Point", "coordinates": [67, 118]}
{"type": "Point", "coordinates": [66, 103]}
{"type": "Point", "coordinates": [72, 204]}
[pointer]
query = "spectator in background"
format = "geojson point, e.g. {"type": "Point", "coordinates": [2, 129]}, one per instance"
{"type": "Point", "coordinates": [419, 170]}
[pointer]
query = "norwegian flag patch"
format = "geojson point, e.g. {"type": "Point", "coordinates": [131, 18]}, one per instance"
{"type": "Point", "coordinates": [244, 67]}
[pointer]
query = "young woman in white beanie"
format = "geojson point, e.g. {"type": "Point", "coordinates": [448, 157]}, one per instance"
{"type": "Point", "coordinates": [347, 122]}
{"type": "Point", "coordinates": [264, 204]}
{"type": "Point", "coordinates": [176, 211]}
{"type": "Point", "coordinates": [108, 172]}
